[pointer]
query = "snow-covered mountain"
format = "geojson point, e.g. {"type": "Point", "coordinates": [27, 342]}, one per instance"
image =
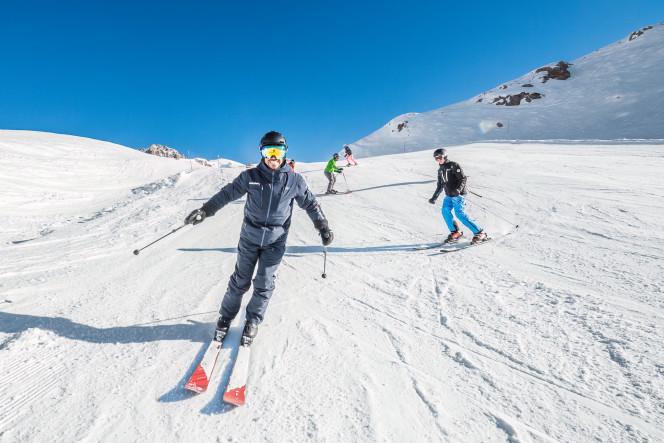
{"type": "Point", "coordinates": [552, 333]}
{"type": "Point", "coordinates": [613, 93]}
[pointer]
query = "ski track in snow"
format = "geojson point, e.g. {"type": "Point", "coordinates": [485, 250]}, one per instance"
{"type": "Point", "coordinates": [551, 334]}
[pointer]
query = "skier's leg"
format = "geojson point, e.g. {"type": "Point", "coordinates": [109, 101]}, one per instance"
{"type": "Point", "coordinates": [460, 212]}
{"type": "Point", "coordinates": [268, 263]}
{"type": "Point", "coordinates": [351, 157]}
{"type": "Point", "coordinates": [240, 281]}
{"type": "Point", "coordinates": [447, 214]}
{"type": "Point", "coordinates": [330, 178]}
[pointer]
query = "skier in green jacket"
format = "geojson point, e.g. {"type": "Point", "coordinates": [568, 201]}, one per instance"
{"type": "Point", "coordinates": [330, 170]}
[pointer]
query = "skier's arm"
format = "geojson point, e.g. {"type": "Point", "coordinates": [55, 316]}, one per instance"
{"type": "Point", "coordinates": [307, 201]}
{"type": "Point", "coordinates": [461, 180]}
{"type": "Point", "coordinates": [231, 192]}
{"type": "Point", "coordinates": [439, 187]}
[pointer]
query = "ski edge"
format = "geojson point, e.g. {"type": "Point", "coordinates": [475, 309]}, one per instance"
{"type": "Point", "coordinates": [200, 379]}
{"type": "Point", "coordinates": [472, 245]}
{"type": "Point", "coordinates": [237, 383]}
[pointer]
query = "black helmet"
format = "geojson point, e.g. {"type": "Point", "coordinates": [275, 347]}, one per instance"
{"type": "Point", "coordinates": [336, 156]}
{"type": "Point", "coordinates": [273, 138]}
{"type": "Point", "coordinates": [440, 151]}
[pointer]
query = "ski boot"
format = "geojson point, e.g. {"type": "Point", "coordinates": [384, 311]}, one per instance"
{"type": "Point", "coordinates": [248, 334]}
{"type": "Point", "coordinates": [479, 237]}
{"type": "Point", "coordinates": [332, 192]}
{"type": "Point", "coordinates": [222, 329]}
{"type": "Point", "coordinates": [453, 237]}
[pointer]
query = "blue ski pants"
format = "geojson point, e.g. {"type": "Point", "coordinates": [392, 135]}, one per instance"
{"type": "Point", "coordinates": [459, 206]}
{"type": "Point", "coordinates": [248, 256]}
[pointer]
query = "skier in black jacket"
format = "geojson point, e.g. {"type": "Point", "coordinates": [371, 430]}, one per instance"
{"type": "Point", "coordinates": [452, 179]}
{"type": "Point", "coordinates": [271, 188]}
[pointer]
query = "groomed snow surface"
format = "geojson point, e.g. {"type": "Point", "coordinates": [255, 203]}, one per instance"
{"type": "Point", "coordinates": [552, 333]}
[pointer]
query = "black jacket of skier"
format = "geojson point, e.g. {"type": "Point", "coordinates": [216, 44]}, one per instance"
{"type": "Point", "coordinates": [271, 189]}
{"type": "Point", "coordinates": [451, 179]}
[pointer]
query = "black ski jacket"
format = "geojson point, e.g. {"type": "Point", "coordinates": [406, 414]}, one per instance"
{"type": "Point", "coordinates": [269, 206]}
{"type": "Point", "coordinates": [452, 179]}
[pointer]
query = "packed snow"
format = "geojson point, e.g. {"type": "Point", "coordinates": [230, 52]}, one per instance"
{"type": "Point", "coordinates": [613, 93]}
{"type": "Point", "coordinates": [551, 333]}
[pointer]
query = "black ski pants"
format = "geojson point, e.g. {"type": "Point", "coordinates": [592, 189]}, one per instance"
{"type": "Point", "coordinates": [248, 256]}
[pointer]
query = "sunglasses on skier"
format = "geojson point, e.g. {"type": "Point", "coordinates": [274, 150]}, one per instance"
{"type": "Point", "coordinates": [273, 151]}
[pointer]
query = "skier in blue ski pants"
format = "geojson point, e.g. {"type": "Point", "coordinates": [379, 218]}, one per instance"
{"type": "Point", "coordinates": [452, 180]}
{"type": "Point", "coordinates": [459, 206]}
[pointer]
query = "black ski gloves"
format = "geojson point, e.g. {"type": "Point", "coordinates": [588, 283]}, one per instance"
{"type": "Point", "coordinates": [341, 170]}
{"type": "Point", "coordinates": [197, 216]}
{"type": "Point", "coordinates": [325, 234]}
{"type": "Point", "coordinates": [432, 200]}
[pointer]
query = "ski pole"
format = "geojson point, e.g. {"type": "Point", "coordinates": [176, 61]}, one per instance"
{"type": "Point", "coordinates": [344, 174]}
{"type": "Point", "coordinates": [324, 261]}
{"type": "Point", "coordinates": [174, 230]}
{"type": "Point", "coordinates": [474, 193]}
{"type": "Point", "coordinates": [491, 212]}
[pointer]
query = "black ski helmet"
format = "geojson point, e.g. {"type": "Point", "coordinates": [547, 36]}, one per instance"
{"type": "Point", "coordinates": [336, 156]}
{"type": "Point", "coordinates": [273, 138]}
{"type": "Point", "coordinates": [440, 151]}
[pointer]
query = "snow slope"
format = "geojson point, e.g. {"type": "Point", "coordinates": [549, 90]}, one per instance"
{"type": "Point", "coordinates": [613, 93]}
{"type": "Point", "coordinates": [552, 333]}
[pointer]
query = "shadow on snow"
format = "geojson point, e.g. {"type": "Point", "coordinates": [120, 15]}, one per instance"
{"type": "Point", "coordinates": [193, 331]}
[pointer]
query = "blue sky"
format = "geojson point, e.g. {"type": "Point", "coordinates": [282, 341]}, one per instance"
{"type": "Point", "coordinates": [210, 78]}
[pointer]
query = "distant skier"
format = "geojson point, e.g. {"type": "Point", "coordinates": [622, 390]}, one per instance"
{"type": "Point", "coordinates": [330, 170]}
{"type": "Point", "coordinates": [452, 179]}
{"type": "Point", "coordinates": [291, 163]}
{"type": "Point", "coordinates": [271, 187]}
{"type": "Point", "coordinates": [349, 156]}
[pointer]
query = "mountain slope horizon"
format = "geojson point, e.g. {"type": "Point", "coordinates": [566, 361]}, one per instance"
{"type": "Point", "coordinates": [612, 93]}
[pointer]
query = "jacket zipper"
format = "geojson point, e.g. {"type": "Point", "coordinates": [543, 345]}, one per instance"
{"type": "Point", "coordinates": [269, 205]}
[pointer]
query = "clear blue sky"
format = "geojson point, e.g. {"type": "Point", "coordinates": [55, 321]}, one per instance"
{"type": "Point", "coordinates": [211, 77]}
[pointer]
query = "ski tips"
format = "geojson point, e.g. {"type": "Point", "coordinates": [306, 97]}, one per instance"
{"type": "Point", "coordinates": [235, 396]}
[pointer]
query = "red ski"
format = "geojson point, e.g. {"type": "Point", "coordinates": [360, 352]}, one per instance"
{"type": "Point", "coordinates": [237, 384]}
{"type": "Point", "coordinates": [200, 379]}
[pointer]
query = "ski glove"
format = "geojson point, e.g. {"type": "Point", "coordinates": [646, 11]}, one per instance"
{"type": "Point", "coordinates": [325, 234]}
{"type": "Point", "coordinates": [197, 216]}
{"type": "Point", "coordinates": [432, 200]}
{"type": "Point", "coordinates": [340, 170]}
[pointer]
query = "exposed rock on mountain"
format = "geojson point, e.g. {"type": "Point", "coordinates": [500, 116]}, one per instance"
{"type": "Point", "coordinates": [639, 32]}
{"type": "Point", "coordinates": [162, 151]}
{"type": "Point", "coordinates": [515, 99]}
{"type": "Point", "coordinates": [558, 71]}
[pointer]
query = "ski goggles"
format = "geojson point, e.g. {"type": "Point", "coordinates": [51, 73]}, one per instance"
{"type": "Point", "coordinates": [274, 151]}
{"type": "Point", "coordinates": [438, 157]}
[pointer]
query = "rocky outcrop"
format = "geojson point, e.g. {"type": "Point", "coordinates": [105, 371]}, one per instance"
{"type": "Point", "coordinates": [202, 161]}
{"type": "Point", "coordinates": [401, 126]}
{"type": "Point", "coordinates": [162, 151]}
{"type": "Point", "coordinates": [639, 33]}
{"type": "Point", "coordinates": [558, 72]}
{"type": "Point", "coordinates": [515, 99]}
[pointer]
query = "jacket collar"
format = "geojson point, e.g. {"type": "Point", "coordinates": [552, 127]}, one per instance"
{"type": "Point", "coordinates": [265, 169]}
